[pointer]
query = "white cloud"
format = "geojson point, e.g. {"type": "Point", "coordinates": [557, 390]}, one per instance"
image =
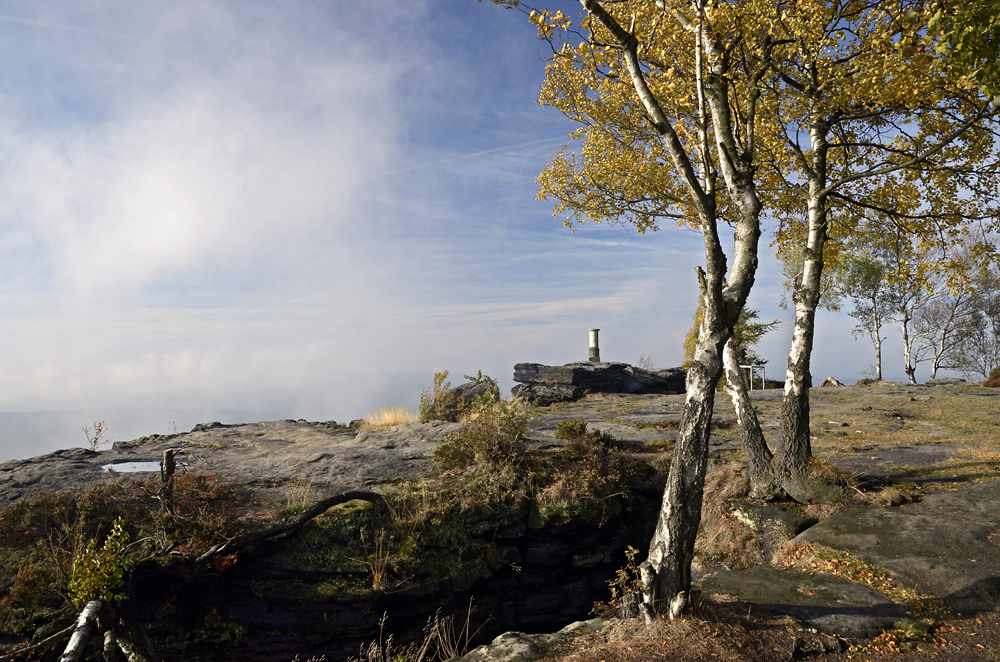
{"type": "Point", "coordinates": [195, 177]}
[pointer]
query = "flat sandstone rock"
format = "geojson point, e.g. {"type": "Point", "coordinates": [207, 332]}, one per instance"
{"type": "Point", "coordinates": [828, 603]}
{"type": "Point", "coordinates": [263, 456]}
{"type": "Point", "coordinates": [945, 546]}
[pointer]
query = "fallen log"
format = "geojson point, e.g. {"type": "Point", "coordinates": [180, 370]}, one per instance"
{"type": "Point", "coordinates": [81, 633]}
{"type": "Point", "coordinates": [47, 642]}
{"type": "Point", "coordinates": [287, 527]}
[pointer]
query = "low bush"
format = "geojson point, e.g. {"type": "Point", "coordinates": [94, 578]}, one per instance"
{"type": "Point", "coordinates": [993, 379]}
{"type": "Point", "coordinates": [56, 549]}
{"type": "Point", "coordinates": [592, 477]}
{"type": "Point", "coordinates": [99, 573]}
{"type": "Point", "coordinates": [492, 437]}
{"type": "Point", "coordinates": [486, 458]}
{"type": "Point", "coordinates": [444, 403]}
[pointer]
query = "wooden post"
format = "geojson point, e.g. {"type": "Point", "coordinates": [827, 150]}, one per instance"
{"type": "Point", "coordinates": [168, 465]}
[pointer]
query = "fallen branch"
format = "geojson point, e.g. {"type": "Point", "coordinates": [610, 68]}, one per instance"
{"type": "Point", "coordinates": [47, 642]}
{"type": "Point", "coordinates": [81, 633]}
{"type": "Point", "coordinates": [288, 526]}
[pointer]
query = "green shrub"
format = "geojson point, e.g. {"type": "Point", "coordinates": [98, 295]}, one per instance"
{"type": "Point", "coordinates": [573, 428]}
{"type": "Point", "coordinates": [100, 573]}
{"type": "Point", "coordinates": [581, 442]}
{"type": "Point", "coordinates": [436, 399]}
{"type": "Point", "coordinates": [492, 437]}
{"type": "Point", "coordinates": [994, 374]}
{"type": "Point", "coordinates": [592, 477]}
{"type": "Point", "coordinates": [626, 586]}
{"type": "Point", "coordinates": [443, 403]}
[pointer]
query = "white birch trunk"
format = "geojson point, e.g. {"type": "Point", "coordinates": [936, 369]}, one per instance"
{"type": "Point", "coordinates": [760, 462]}
{"type": "Point", "coordinates": [877, 339]}
{"type": "Point", "coordinates": [84, 624]}
{"type": "Point", "coordinates": [667, 571]}
{"type": "Point", "coordinates": [794, 450]}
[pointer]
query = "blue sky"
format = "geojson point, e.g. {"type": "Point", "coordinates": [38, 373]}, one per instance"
{"type": "Point", "coordinates": [216, 210]}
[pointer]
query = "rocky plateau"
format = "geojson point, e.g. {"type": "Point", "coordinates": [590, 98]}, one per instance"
{"type": "Point", "coordinates": [943, 542]}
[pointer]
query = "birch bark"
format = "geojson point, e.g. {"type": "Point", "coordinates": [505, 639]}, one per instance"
{"type": "Point", "coordinates": [760, 461]}
{"type": "Point", "coordinates": [794, 449]}
{"type": "Point", "coordinates": [667, 570]}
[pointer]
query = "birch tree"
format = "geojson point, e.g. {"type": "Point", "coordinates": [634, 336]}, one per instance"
{"type": "Point", "coordinates": [864, 284]}
{"type": "Point", "coordinates": [889, 281]}
{"type": "Point", "coordinates": [978, 344]}
{"type": "Point", "coordinates": [666, 97]}
{"type": "Point", "coordinates": [739, 352]}
{"type": "Point", "coordinates": [940, 325]}
{"type": "Point", "coordinates": [868, 123]}
{"type": "Point", "coordinates": [682, 108]}
{"type": "Point", "coordinates": [966, 33]}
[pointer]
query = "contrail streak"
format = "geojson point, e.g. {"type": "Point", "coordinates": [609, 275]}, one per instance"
{"type": "Point", "coordinates": [492, 150]}
{"type": "Point", "coordinates": [63, 28]}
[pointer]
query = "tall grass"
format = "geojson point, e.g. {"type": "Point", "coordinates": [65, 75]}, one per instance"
{"type": "Point", "coordinates": [386, 417]}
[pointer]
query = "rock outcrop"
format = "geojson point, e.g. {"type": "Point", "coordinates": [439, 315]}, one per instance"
{"type": "Point", "coordinates": [544, 385]}
{"type": "Point", "coordinates": [330, 457]}
{"type": "Point", "coordinates": [521, 647]}
{"type": "Point", "coordinates": [830, 604]}
{"type": "Point", "coordinates": [945, 546]}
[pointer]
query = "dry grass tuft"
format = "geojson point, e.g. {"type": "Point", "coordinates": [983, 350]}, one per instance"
{"type": "Point", "coordinates": [724, 539]}
{"type": "Point", "coordinates": [298, 497]}
{"type": "Point", "coordinates": [387, 417]}
{"type": "Point", "coordinates": [444, 639]}
{"type": "Point", "coordinates": [829, 473]}
{"type": "Point", "coordinates": [725, 482]}
{"type": "Point", "coordinates": [719, 629]}
{"type": "Point", "coordinates": [890, 495]}
{"type": "Point", "coordinates": [821, 511]}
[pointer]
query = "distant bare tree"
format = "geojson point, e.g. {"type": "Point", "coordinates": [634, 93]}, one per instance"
{"type": "Point", "coordinates": [939, 325]}
{"type": "Point", "coordinates": [977, 350]}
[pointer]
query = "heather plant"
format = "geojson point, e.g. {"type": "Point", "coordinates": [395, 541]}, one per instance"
{"type": "Point", "coordinates": [486, 457]}
{"type": "Point", "coordinates": [56, 550]}
{"type": "Point", "coordinates": [592, 475]}
{"type": "Point", "coordinates": [993, 379]}
{"type": "Point", "coordinates": [492, 437]}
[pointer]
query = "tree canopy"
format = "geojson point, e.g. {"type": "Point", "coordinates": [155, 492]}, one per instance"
{"type": "Point", "coordinates": [808, 113]}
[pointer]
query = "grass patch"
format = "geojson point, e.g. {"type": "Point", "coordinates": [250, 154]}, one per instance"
{"type": "Point", "coordinates": [298, 497]}
{"type": "Point", "coordinates": [723, 539]}
{"type": "Point", "coordinates": [666, 424]}
{"type": "Point", "coordinates": [387, 417]}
